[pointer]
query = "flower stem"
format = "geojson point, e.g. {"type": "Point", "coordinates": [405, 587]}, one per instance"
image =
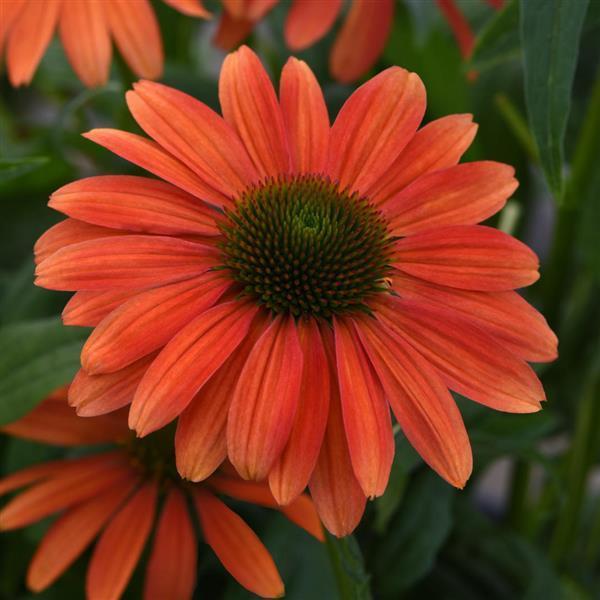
{"type": "Point", "coordinates": [348, 567]}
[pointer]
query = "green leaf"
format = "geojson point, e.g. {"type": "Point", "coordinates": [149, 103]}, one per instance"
{"type": "Point", "coordinates": [499, 40]}
{"type": "Point", "coordinates": [348, 566]}
{"type": "Point", "coordinates": [36, 357]}
{"type": "Point", "coordinates": [550, 32]}
{"type": "Point", "coordinates": [11, 168]}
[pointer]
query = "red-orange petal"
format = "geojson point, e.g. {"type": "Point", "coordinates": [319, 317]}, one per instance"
{"type": "Point", "coordinates": [130, 332]}
{"type": "Point", "coordinates": [28, 38]}
{"type": "Point", "coordinates": [308, 22]}
{"type": "Point", "coordinates": [194, 134]}
{"type": "Point", "coordinates": [361, 39]}
{"type": "Point", "coordinates": [238, 548]}
{"type": "Point", "coordinates": [461, 195]}
{"type": "Point", "coordinates": [29, 475]}
{"type": "Point", "coordinates": [119, 548]}
{"type": "Point", "coordinates": [505, 315]}
{"type": "Point", "coordinates": [86, 40]}
{"type": "Point", "coordinates": [87, 309]}
{"type": "Point", "coordinates": [250, 106]}
{"type": "Point", "coordinates": [437, 145]}
{"type": "Point", "coordinates": [186, 363]}
{"type": "Point", "coordinates": [136, 204]}
{"type": "Point", "coordinates": [68, 537]}
{"type": "Point", "coordinates": [231, 31]}
{"type": "Point", "coordinates": [171, 571]}
{"type": "Point", "coordinates": [305, 116]}
{"type": "Point", "coordinates": [291, 473]}
{"type": "Point", "coordinates": [460, 26]}
{"type": "Point", "coordinates": [373, 126]}
{"type": "Point", "coordinates": [262, 410]}
{"type": "Point", "coordinates": [10, 12]}
{"type": "Point", "coordinates": [468, 360]}
{"type": "Point", "coordinates": [124, 263]}
{"type": "Point", "coordinates": [134, 27]}
{"type": "Point", "coordinates": [192, 8]}
{"type": "Point", "coordinates": [365, 412]}
{"type": "Point", "coordinates": [420, 401]}
{"type": "Point", "coordinates": [471, 257]}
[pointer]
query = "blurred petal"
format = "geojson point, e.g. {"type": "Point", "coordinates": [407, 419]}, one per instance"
{"type": "Point", "coordinates": [308, 21]}
{"type": "Point", "coordinates": [460, 26]}
{"type": "Point", "coordinates": [232, 31]}
{"type": "Point", "coordinates": [192, 8]}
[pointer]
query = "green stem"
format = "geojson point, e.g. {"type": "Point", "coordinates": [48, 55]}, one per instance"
{"type": "Point", "coordinates": [348, 568]}
{"type": "Point", "coordinates": [518, 494]}
{"type": "Point", "coordinates": [518, 125]}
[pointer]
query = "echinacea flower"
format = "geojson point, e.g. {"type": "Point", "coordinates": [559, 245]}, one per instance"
{"type": "Point", "coordinates": [285, 283]}
{"type": "Point", "coordinates": [87, 29]}
{"type": "Point", "coordinates": [116, 495]}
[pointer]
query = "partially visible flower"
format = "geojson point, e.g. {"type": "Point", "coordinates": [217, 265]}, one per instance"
{"type": "Point", "coordinates": [115, 495]}
{"type": "Point", "coordinates": [86, 29]}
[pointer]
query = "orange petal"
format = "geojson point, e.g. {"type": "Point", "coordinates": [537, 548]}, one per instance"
{"type": "Point", "coordinates": [461, 195]}
{"type": "Point", "coordinates": [232, 31]}
{"type": "Point", "coordinates": [421, 403]}
{"type": "Point", "coordinates": [334, 488]}
{"type": "Point", "coordinates": [438, 145]}
{"type": "Point", "coordinates": [186, 363]}
{"type": "Point", "coordinates": [365, 411]}
{"type": "Point", "coordinates": [200, 441]}
{"type": "Point", "coordinates": [124, 263]}
{"type": "Point", "coordinates": [194, 134]}
{"type": "Point", "coordinates": [470, 257]}
{"type": "Point", "coordinates": [134, 28]}
{"type": "Point", "coordinates": [373, 126]}
{"type": "Point", "coordinates": [81, 480]}
{"type": "Point", "coordinates": [93, 395]}
{"type": "Point", "coordinates": [151, 157]}
{"type": "Point", "coordinates": [238, 547]}
{"type": "Point", "coordinates": [10, 12]}
{"type": "Point", "coordinates": [249, 104]}
{"type": "Point", "coordinates": [504, 315]}
{"type": "Point", "coordinates": [130, 332]}
{"type": "Point", "coordinates": [192, 8]}
{"type": "Point", "coordinates": [87, 309]}
{"type": "Point", "coordinates": [28, 39]}
{"type": "Point", "coordinates": [66, 233]}
{"type": "Point", "coordinates": [29, 475]}
{"type": "Point", "coordinates": [171, 571]}
{"type": "Point", "coordinates": [68, 537]}
{"type": "Point", "coordinates": [361, 40]}
{"type": "Point", "coordinates": [308, 22]}
{"type": "Point", "coordinates": [262, 410]}
{"type": "Point", "coordinates": [305, 116]}
{"type": "Point", "coordinates": [257, 9]}
{"type": "Point", "coordinates": [119, 548]}
{"type": "Point", "coordinates": [291, 473]}
{"type": "Point", "coordinates": [135, 204]}
{"type": "Point", "coordinates": [467, 359]}
{"type": "Point", "coordinates": [86, 40]}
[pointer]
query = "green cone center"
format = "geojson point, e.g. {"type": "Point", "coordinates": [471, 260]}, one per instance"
{"type": "Point", "coordinates": [299, 245]}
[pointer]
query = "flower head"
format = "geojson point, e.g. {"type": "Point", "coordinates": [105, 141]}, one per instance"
{"type": "Point", "coordinates": [286, 283]}
{"type": "Point", "coordinates": [115, 495]}
{"type": "Point", "coordinates": [86, 29]}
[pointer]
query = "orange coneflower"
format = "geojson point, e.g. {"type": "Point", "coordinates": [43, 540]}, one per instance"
{"type": "Point", "coordinates": [116, 495]}
{"type": "Point", "coordinates": [287, 282]}
{"type": "Point", "coordinates": [86, 28]}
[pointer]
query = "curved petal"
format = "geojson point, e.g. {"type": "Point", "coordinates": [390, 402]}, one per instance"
{"type": "Point", "coordinates": [437, 145]}
{"type": "Point", "coordinates": [119, 548]}
{"type": "Point", "coordinates": [10, 12]}
{"type": "Point", "coordinates": [186, 363]}
{"type": "Point", "coordinates": [237, 547]}
{"type": "Point", "coordinates": [291, 473]}
{"type": "Point", "coordinates": [250, 106]}
{"type": "Point", "coordinates": [373, 126]}
{"type": "Point", "coordinates": [472, 257]}
{"type": "Point", "coordinates": [135, 30]}
{"type": "Point", "coordinates": [124, 263]}
{"type": "Point", "coordinates": [361, 40]}
{"type": "Point", "coordinates": [192, 8]}
{"type": "Point", "coordinates": [87, 309]}
{"type": "Point", "coordinates": [468, 360]}
{"type": "Point", "coordinates": [194, 134]}
{"type": "Point", "coordinates": [171, 571]}
{"type": "Point", "coordinates": [86, 40]}
{"type": "Point", "coordinates": [460, 26]}
{"type": "Point", "coordinates": [231, 31]}
{"type": "Point", "coordinates": [365, 412]}
{"type": "Point", "coordinates": [130, 332]}
{"type": "Point", "coordinates": [263, 407]}
{"type": "Point", "coordinates": [305, 116]}
{"type": "Point", "coordinates": [30, 475]}
{"type": "Point", "coordinates": [421, 403]}
{"type": "Point", "coordinates": [461, 195]}
{"type": "Point", "coordinates": [308, 21]}
{"type": "Point", "coordinates": [28, 39]}
{"type": "Point", "coordinates": [135, 204]}
{"type": "Point", "coordinates": [150, 156]}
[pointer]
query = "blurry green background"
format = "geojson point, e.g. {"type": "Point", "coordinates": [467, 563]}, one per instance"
{"type": "Point", "coordinates": [528, 523]}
